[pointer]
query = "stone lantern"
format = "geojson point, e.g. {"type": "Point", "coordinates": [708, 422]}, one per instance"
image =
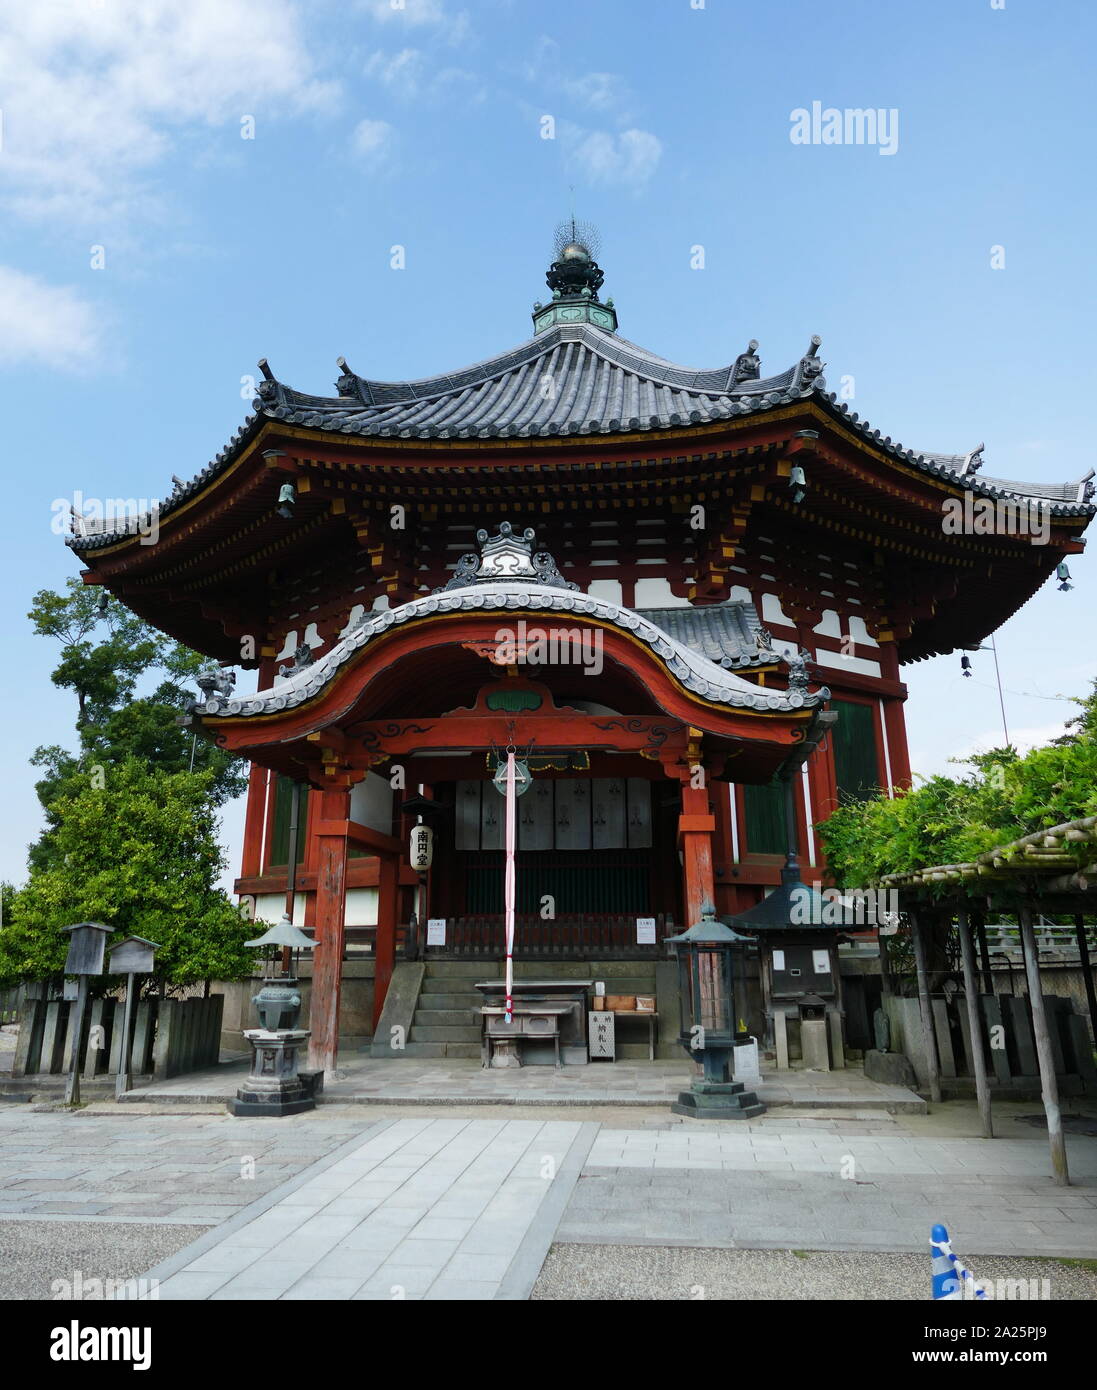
{"type": "Point", "coordinates": [710, 958]}
{"type": "Point", "coordinates": [273, 1086]}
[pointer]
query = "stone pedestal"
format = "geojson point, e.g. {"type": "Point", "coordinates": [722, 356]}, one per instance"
{"type": "Point", "coordinates": [780, 1039]}
{"type": "Point", "coordinates": [813, 1044]}
{"type": "Point", "coordinates": [504, 1053]}
{"type": "Point", "coordinates": [718, 1100]}
{"type": "Point", "coordinates": [273, 1086]}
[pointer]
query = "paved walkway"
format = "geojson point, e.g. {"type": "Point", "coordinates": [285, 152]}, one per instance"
{"type": "Point", "coordinates": [348, 1202]}
{"type": "Point", "coordinates": [426, 1207]}
{"type": "Point", "coordinates": [442, 1208]}
{"type": "Point", "coordinates": [376, 1081]}
{"type": "Point", "coordinates": [782, 1188]}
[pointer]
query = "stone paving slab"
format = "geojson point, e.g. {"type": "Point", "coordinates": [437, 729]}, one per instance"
{"type": "Point", "coordinates": [735, 1208]}
{"type": "Point", "coordinates": [427, 1207]}
{"type": "Point", "coordinates": [373, 1081]}
{"type": "Point", "coordinates": [188, 1168]}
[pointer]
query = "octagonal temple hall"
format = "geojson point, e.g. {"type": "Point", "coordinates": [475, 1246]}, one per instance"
{"type": "Point", "coordinates": [657, 583]}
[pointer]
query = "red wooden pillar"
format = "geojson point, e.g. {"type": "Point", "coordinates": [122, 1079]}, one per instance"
{"type": "Point", "coordinates": [330, 918]}
{"type": "Point", "coordinates": [696, 827]}
{"type": "Point", "coordinates": [895, 723]}
{"type": "Point", "coordinates": [388, 898]}
{"type": "Point", "coordinates": [251, 865]}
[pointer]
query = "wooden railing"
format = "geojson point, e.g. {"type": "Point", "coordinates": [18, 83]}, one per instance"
{"type": "Point", "coordinates": [576, 936]}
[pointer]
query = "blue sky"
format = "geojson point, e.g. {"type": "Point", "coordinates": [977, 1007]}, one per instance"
{"type": "Point", "coordinates": [421, 126]}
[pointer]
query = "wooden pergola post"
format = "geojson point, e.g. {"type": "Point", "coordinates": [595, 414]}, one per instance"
{"type": "Point", "coordinates": [979, 918]}
{"type": "Point", "coordinates": [929, 1037]}
{"type": "Point", "coordinates": [974, 1021]}
{"type": "Point", "coordinates": [1087, 970]}
{"type": "Point", "coordinates": [331, 916]}
{"type": "Point", "coordinates": [1048, 1084]}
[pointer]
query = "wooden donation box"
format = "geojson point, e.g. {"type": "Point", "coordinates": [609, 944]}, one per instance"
{"type": "Point", "coordinates": [548, 1027]}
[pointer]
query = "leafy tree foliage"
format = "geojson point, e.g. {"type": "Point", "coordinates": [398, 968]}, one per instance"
{"type": "Point", "coordinates": [104, 656]}
{"type": "Point", "coordinates": [141, 855]}
{"type": "Point", "coordinates": [950, 820]}
{"type": "Point", "coordinates": [131, 827]}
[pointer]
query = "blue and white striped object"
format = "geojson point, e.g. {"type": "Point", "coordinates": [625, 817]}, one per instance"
{"type": "Point", "coordinates": [949, 1271]}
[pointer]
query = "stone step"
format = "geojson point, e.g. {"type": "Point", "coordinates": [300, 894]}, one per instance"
{"type": "Point", "coordinates": [462, 969]}
{"type": "Point", "coordinates": [440, 1049]}
{"type": "Point", "coordinates": [434, 1018]}
{"type": "Point", "coordinates": [451, 999]}
{"type": "Point", "coordinates": [443, 1034]}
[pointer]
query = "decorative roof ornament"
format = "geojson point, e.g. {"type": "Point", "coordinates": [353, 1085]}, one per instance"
{"type": "Point", "coordinates": [219, 678]}
{"type": "Point", "coordinates": [799, 670]}
{"type": "Point", "coordinates": [810, 365]}
{"type": "Point", "coordinates": [748, 365]}
{"type": "Point", "coordinates": [303, 656]}
{"type": "Point", "coordinates": [973, 461]}
{"type": "Point", "coordinates": [507, 555]}
{"type": "Point", "coordinates": [575, 277]}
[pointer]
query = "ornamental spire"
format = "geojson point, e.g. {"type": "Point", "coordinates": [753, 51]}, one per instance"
{"type": "Point", "coordinates": [575, 277]}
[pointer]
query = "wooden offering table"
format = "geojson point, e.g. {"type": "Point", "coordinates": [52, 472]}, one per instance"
{"type": "Point", "coordinates": [545, 1011]}
{"type": "Point", "coordinates": [539, 1022]}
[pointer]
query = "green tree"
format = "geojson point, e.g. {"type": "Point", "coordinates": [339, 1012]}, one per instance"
{"type": "Point", "coordinates": [105, 654]}
{"type": "Point", "coordinates": [139, 853]}
{"type": "Point", "coordinates": [950, 820]}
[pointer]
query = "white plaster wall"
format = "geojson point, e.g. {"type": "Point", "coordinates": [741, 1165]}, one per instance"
{"type": "Point", "coordinates": [654, 591]}
{"type": "Point", "coordinates": [606, 588]}
{"type": "Point", "coordinates": [371, 803]}
{"type": "Point", "coordinates": [361, 907]}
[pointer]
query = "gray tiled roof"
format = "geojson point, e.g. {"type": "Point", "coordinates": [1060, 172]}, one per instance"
{"type": "Point", "coordinates": [729, 634]}
{"type": "Point", "coordinates": [576, 379]}
{"type": "Point", "coordinates": [695, 671]}
{"type": "Point", "coordinates": [571, 379]}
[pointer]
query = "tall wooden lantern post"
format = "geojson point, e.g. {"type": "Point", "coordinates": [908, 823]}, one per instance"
{"type": "Point", "coordinates": [132, 957]}
{"type": "Point", "coordinates": [87, 941]}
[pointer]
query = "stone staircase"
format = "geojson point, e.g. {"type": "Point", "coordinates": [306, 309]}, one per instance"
{"type": "Point", "coordinates": [446, 1021]}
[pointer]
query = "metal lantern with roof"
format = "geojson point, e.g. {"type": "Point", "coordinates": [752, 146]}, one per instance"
{"type": "Point", "coordinates": [798, 943]}
{"type": "Point", "coordinates": [710, 957]}
{"type": "Point", "coordinates": [279, 1000]}
{"type": "Point", "coordinates": [274, 1086]}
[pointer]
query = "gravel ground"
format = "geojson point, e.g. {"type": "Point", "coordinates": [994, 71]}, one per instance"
{"type": "Point", "coordinates": [35, 1253]}
{"type": "Point", "coordinates": [623, 1273]}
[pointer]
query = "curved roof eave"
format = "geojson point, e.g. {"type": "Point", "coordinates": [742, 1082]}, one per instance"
{"type": "Point", "coordinates": [502, 398]}
{"type": "Point", "coordinates": [696, 673]}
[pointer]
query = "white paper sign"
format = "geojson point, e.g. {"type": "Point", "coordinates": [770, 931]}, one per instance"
{"type": "Point", "coordinates": [436, 931]}
{"type": "Point", "coordinates": [778, 960]}
{"type": "Point", "coordinates": [645, 931]}
{"type": "Point", "coordinates": [821, 962]}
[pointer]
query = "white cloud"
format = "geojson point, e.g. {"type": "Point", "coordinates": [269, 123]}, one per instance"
{"type": "Point", "coordinates": [548, 67]}
{"type": "Point", "coordinates": [96, 94]}
{"type": "Point", "coordinates": [372, 140]}
{"type": "Point", "coordinates": [43, 324]}
{"type": "Point", "coordinates": [627, 160]}
{"type": "Point", "coordinates": [410, 76]}
{"type": "Point", "coordinates": [601, 91]}
{"type": "Point", "coordinates": [416, 13]}
{"type": "Point", "coordinates": [401, 71]}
